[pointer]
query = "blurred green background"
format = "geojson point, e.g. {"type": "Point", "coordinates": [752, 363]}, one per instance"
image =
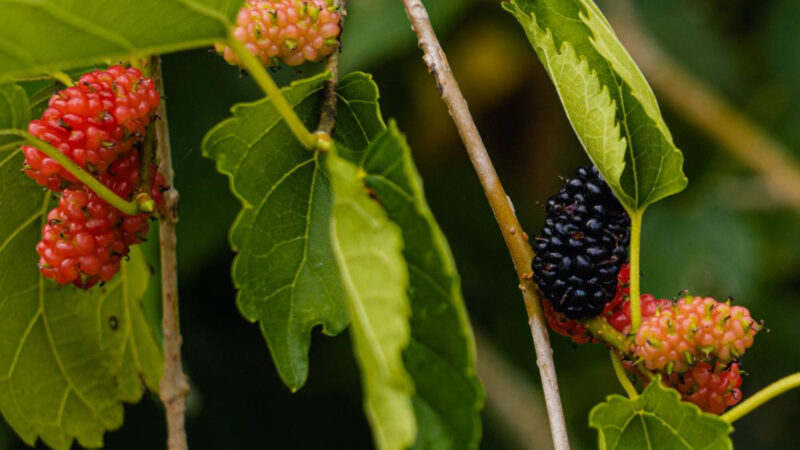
{"type": "Point", "coordinates": [724, 236]}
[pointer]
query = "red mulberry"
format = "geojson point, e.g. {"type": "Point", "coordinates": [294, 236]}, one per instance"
{"type": "Point", "coordinates": [93, 123]}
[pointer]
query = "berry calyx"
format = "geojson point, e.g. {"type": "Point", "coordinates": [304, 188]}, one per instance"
{"type": "Point", "coordinates": [694, 329]}
{"type": "Point", "coordinates": [93, 123]}
{"type": "Point", "coordinates": [291, 31]}
{"type": "Point", "coordinates": [582, 246]}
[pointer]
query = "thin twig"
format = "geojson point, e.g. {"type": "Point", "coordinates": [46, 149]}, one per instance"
{"type": "Point", "coordinates": [174, 386]}
{"type": "Point", "coordinates": [516, 239]}
{"type": "Point", "coordinates": [327, 118]}
{"type": "Point", "coordinates": [701, 106]}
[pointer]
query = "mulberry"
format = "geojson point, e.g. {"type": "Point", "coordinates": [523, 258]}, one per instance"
{"type": "Point", "coordinates": [582, 246]}
{"type": "Point", "coordinates": [695, 329]}
{"type": "Point", "coordinates": [292, 31]}
{"type": "Point", "coordinates": [93, 123]}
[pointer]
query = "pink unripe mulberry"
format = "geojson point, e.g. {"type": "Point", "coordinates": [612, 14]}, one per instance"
{"type": "Point", "coordinates": [292, 31]}
{"type": "Point", "coordinates": [695, 329]}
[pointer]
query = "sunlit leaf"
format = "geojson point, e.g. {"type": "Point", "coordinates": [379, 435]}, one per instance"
{"type": "Point", "coordinates": [441, 354]}
{"type": "Point", "coordinates": [38, 37]}
{"type": "Point", "coordinates": [368, 248]}
{"type": "Point", "coordinates": [606, 98]}
{"type": "Point", "coordinates": [657, 419]}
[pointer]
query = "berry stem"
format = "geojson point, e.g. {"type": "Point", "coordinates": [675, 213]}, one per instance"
{"type": "Point", "coordinates": [174, 386]}
{"type": "Point", "coordinates": [601, 329]}
{"type": "Point", "coordinates": [622, 376]}
{"type": "Point", "coordinates": [636, 241]}
{"type": "Point", "coordinates": [146, 162]}
{"type": "Point", "coordinates": [759, 398]}
{"type": "Point", "coordinates": [516, 240]}
{"type": "Point", "coordinates": [63, 78]}
{"type": "Point", "coordinates": [267, 84]}
{"type": "Point", "coordinates": [124, 206]}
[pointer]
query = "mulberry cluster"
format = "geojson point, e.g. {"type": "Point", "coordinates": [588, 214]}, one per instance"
{"type": "Point", "coordinates": [695, 329]}
{"type": "Point", "coordinates": [693, 344]}
{"type": "Point", "coordinates": [582, 246]}
{"type": "Point", "coordinates": [99, 123]}
{"type": "Point", "coordinates": [292, 31]}
{"type": "Point", "coordinates": [94, 122]}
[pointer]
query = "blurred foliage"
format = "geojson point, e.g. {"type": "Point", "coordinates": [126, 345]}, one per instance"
{"type": "Point", "coordinates": [722, 237]}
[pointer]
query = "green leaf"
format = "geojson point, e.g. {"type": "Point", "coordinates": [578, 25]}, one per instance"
{"type": "Point", "coordinates": [441, 354]}
{"type": "Point", "coordinates": [606, 98]}
{"type": "Point", "coordinates": [44, 36]}
{"type": "Point", "coordinates": [368, 248]}
{"type": "Point", "coordinates": [657, 419]}
{"type": "Point", "coordinates": [15, 113]}
{"type": "Point", "coordinates": [68, 357]}
{"type": "Point", "coordinates": [284, 270]}
{"type": "Point", "coordinates": [259, 154]}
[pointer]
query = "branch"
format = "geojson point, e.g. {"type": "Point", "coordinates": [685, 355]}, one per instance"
{"type": "Point", "coordinates": [516, 240]}
{"type": "Point", "coordinates": [708, 111]}
{"type": "Point", "coordinates": [174, 386]}
{"type": "Point", "coordinates": [327, 119]}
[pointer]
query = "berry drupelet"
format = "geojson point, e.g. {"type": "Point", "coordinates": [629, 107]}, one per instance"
{"type": "Point", "coordinates": [582, 246]}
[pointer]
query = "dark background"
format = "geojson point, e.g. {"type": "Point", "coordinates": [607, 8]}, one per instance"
{"type": "Point", "coordinates": [723, 236]}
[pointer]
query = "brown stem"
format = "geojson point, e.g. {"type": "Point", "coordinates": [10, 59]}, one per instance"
{"type": "Point", "coordinates": [174, 386]}
{"type": "Point", "coordinates": [516, 239]}
{"type": "Point", "coordinates": [701, 106]}
{"type": "Point", "coordinates": [327, 119]}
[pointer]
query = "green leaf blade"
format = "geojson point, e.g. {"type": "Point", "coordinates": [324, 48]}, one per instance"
{"type": "Point", "coordinates": [657, 419]}
{"type": "Point", "coordinates": [284, 270]}
{"type": "Point", "coordinates": [606, 98]}
{"type": "Point", "coordinates": [368, 248]}
{"type": "Point", "coordinates": [87, 32]}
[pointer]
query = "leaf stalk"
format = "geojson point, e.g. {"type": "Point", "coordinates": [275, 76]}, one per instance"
{"type": "Point", "coordinates": [130, 208]}
{"type": "Point", "coordinates": [622, 376]}
{"type": "Point", "coordinates": [763, 396]}
{"type": "Point", "coordinates": [636, 243]}
{"type": "Point", "coordinates": [267, 84]}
